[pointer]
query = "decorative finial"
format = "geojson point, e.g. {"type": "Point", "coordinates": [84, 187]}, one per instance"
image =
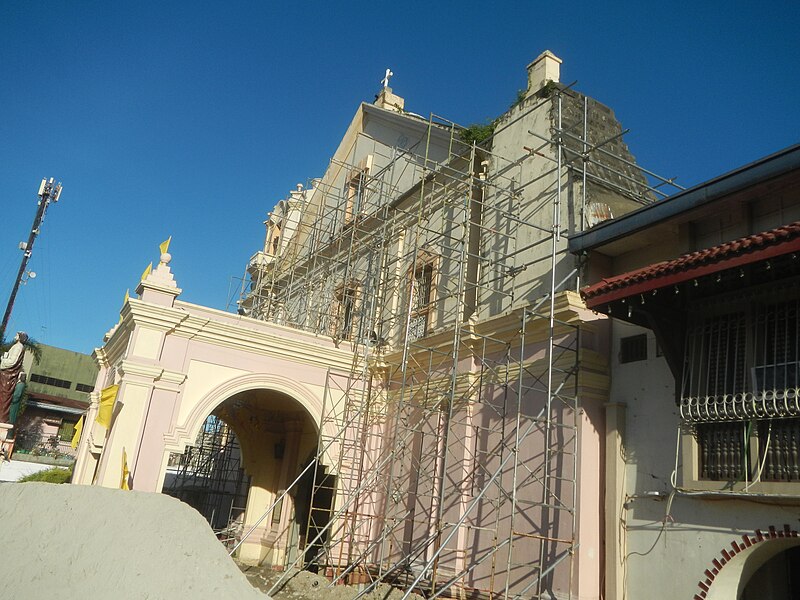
{"type": "Point", "coordinates": [385, 80]}
{"type": "Point", "coordinates": [164, 248]}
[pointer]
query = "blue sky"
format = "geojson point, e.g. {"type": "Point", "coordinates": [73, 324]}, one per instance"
{"type": "Point", "coordinates": [193, 119]}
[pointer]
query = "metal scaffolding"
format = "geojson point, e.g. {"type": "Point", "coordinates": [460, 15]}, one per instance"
{"type": "Point", "coordinates": [209, 477]}
{"type": "Point", "coordinates": [443, 266]}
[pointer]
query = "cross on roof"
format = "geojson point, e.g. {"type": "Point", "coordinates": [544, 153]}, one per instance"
{"type": "Point", "coordinates": [385, 80]}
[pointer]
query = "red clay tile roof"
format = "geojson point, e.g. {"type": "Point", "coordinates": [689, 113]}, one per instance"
{"type": "Point", "coordinates": [746, 250]}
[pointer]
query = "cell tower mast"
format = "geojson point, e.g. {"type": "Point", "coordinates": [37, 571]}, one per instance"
{"type": "Point", "coordinates": [49, 191]}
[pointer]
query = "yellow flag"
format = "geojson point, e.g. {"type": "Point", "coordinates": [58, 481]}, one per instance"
{"type": "Point", "coordinates": [164, 246]}
{"type": "Point", "coordinates": [123, 483]}
{"type": "Point", "coordinates": [76, 437]}
{"type": "Point", "coordinates": [147, 271]}
{"type": "Point", "coordinates": [107, 397]}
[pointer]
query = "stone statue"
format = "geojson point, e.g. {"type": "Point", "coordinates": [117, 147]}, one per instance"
{"type": "Point", "coordinates": [10, 368]}
{"type": "Point", "coordinates": [16, 398]}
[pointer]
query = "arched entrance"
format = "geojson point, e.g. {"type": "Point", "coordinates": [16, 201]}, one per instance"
{"type": "Point", "coordinates": [762, 566]}
{"type": "Point", "coordinates": [249, 451]}
{"type": "Point", "coordinates": [167, 366]}
{"type": "Point", "coordinates": [776, 573]}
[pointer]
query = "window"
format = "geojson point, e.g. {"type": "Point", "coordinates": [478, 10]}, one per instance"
{"type": "Point", "coordinates": [739, 393]}
{"type": "Point", "coordinates": [775, 347]}
{"type": "Point", "coordinates": [764, 450]}
{"type": "Point", "coordinates": [84, 387]}
{"type": "Point", "coordinates": [355, 196]}
{"type": "Point", "coordinates": [743, 364]}
{"type": "Point", "coordinates": [59, 383]}
{"type": "Point", "coordinates": [346, 312]}
{"type": "Point", "coordinates": [276, 239]}
{"type": "Point", "coordinates": [421, 296]}
{"type": "Point", "coordinates": [275, 228]}
{"type": "Point", "coordinates": [66, 430]}
{"type": "Point", "coordinates": [356, 190]}
{"type": "Point", "coordinates": [778, 443]}
{"type": "Point", "coordinates": [633, 348]}
{"type": "Point", "coordinates": [723, 455]}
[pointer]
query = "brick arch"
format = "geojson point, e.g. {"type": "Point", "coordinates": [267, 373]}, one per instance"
{"type": "Point", "coordinates": [725, 573]}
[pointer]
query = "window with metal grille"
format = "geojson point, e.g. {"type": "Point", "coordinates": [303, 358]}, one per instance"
{"type": "Point", "coordinates": [421, 297]}
{"type": "Point", "coordinates": [743, 364]}
{"type": "Point", "coordinates": [716, 349]}
{"type": "Point", "coordinates": [633, 348]}
{"type": "Point", "coordinates": [775, 347]}
{"type": "Point", "coordinates": [740, 389]}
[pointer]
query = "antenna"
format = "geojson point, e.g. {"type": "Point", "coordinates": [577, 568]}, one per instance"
{"type": "Point", "coordinates": [49, 191]}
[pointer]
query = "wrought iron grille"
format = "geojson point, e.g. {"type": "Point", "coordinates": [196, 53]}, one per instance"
{"type": "Point", "coordinates": [743, 365]}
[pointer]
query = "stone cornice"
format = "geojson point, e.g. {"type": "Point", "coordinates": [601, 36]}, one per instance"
{"type": "Point", "coordinates": [215, 328]}
{"type": "Point", "coordinates": [149, 284]}
{"type": "Point", "coordinates": [100, 357]}
{"type": "Point", "coordinates": [137, 369]}
{"type": "Point", "coordinates": [160, 378]}
{"type": "Point", "coordinates": [216, 332]}
{"type": "Point", "coordinates": [155, 316]}
{"type": "Point", "coordinates": [502, 329]}
{"type": "Point", "coordinates": [222, 329]}
{"type": "Point", "coordinates": [172, 377]}
{"type": "Point", "coordinates": [117, 338]}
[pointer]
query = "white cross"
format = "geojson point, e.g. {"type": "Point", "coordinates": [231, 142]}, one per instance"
{"type": "Point", "coordinates": [385, 80]}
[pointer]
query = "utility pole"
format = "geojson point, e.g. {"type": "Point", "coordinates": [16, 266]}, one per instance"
{"type": "Point", "coordinates": [49, 191]}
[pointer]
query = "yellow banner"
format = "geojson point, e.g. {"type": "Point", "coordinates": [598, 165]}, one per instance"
{"type": "Point", "coordinates": [107, 397]}
{"type": "Point", "coordinates": [76, 437]}
{"type": "Point", "coordinates": [164, 246]}
{"type": "Point", "coordinates": [123, 483]}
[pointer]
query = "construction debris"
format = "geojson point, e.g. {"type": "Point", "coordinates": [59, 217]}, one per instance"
{"type": "Point", "coordinates": [303, 585]}
{"type": "Point", "coordinates": [98, 543]}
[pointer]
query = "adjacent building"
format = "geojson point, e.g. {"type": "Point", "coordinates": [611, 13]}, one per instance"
{"type": "Point", "coordinates": [56, 396]}
{"type": "Point", "coordinates": [702, 471]}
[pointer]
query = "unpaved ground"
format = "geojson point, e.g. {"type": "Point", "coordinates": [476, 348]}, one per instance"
{"type": "Point", "coordinates": [95, 543]}
{"type": "Point", "coordinates": [92, 543]}
{"type": "Point", "coordinates": [302, 585]}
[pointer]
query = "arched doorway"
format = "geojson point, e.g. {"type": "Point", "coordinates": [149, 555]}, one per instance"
{"type": "Point", "coordinates": [247, 460]}
{"type": "Point", "coordinates": [778, 578]}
